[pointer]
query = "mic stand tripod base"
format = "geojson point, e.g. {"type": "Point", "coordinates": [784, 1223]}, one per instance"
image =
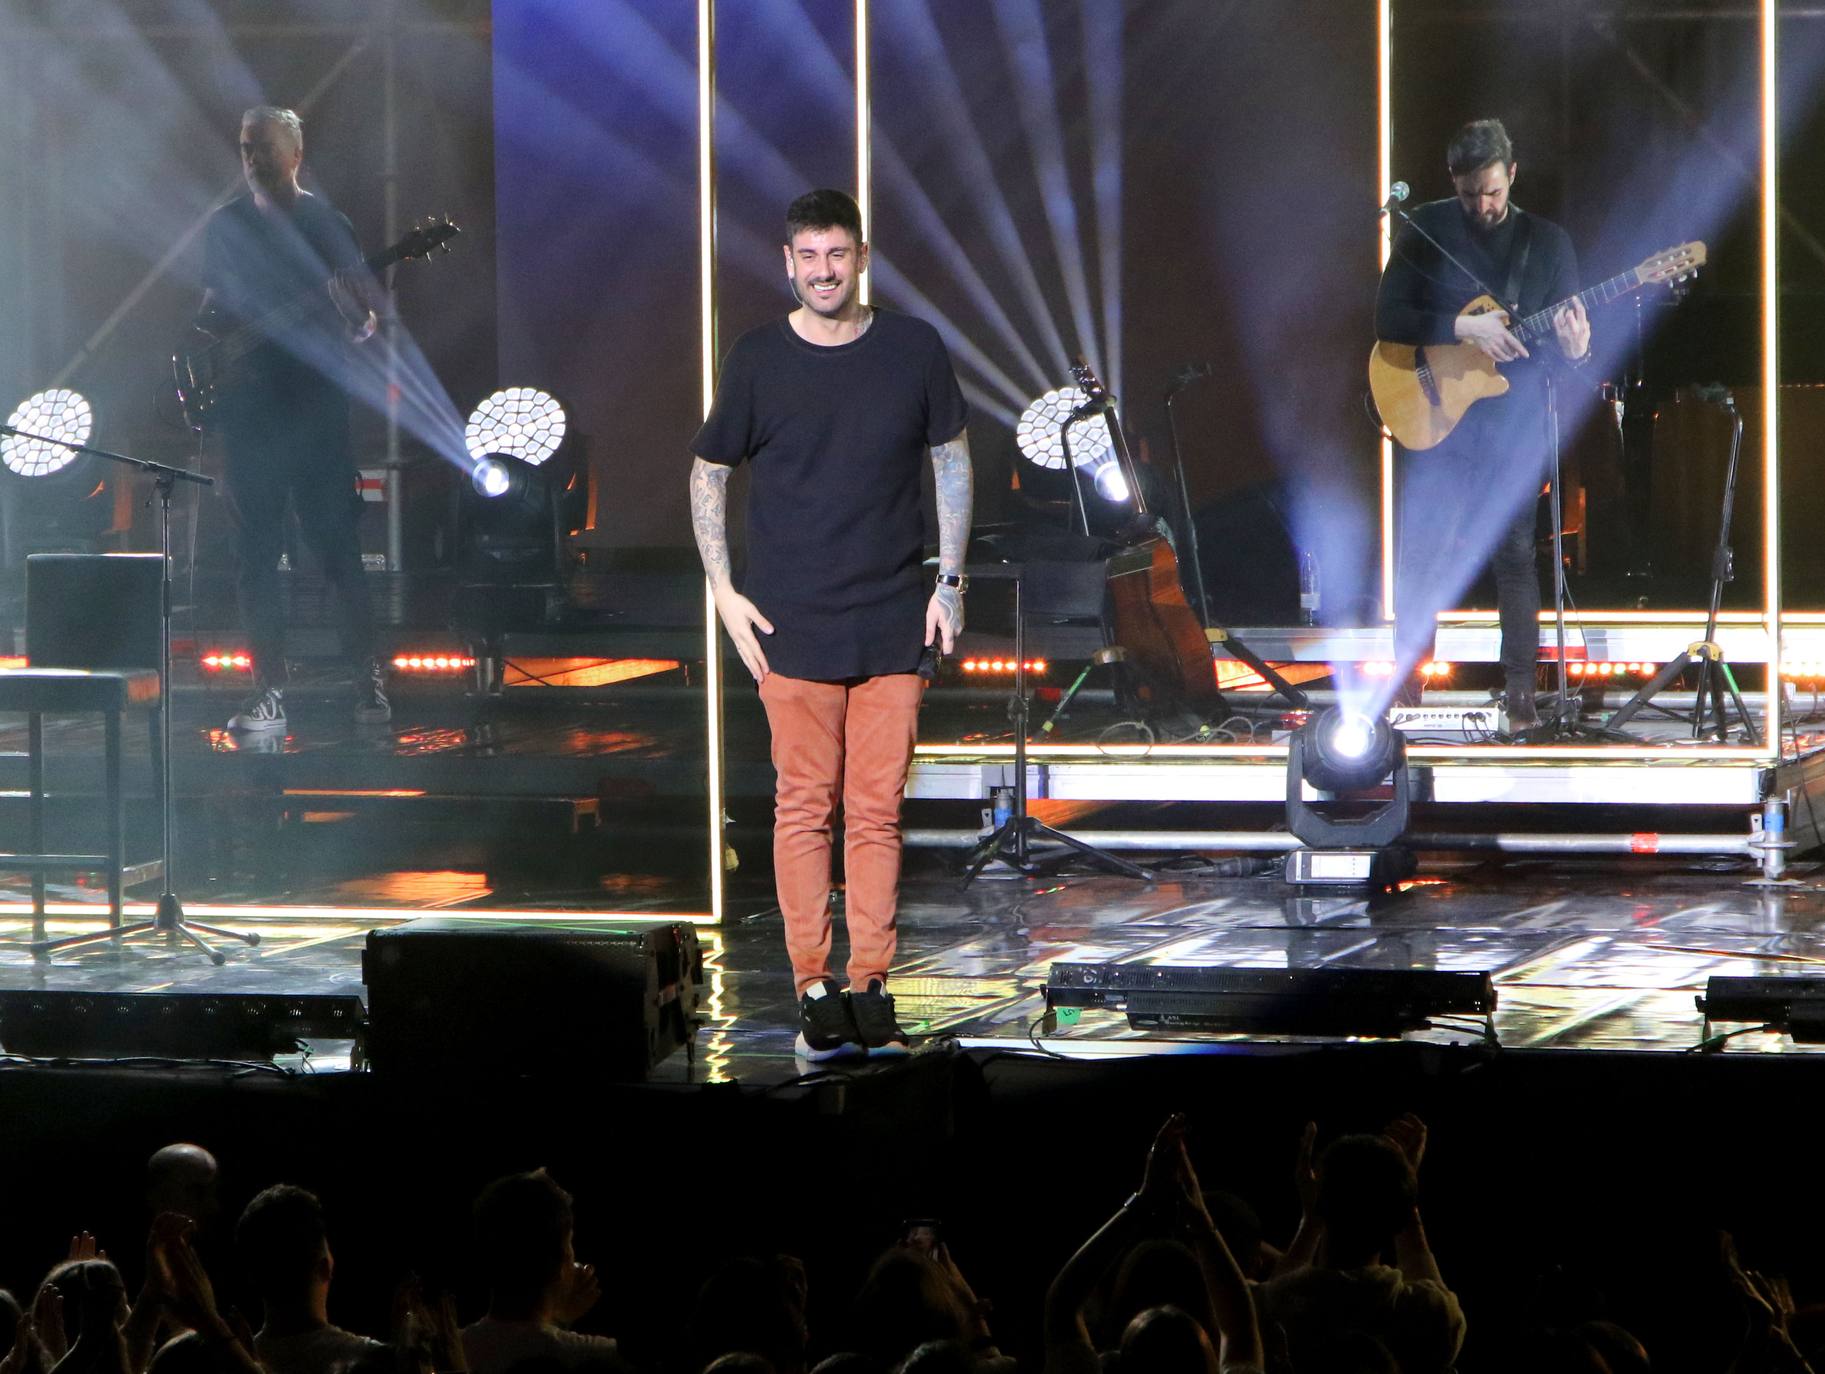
{"type": "Point", "coordinates": [1010, 842]}
{"type": "Point", "coordinates": [167, 920]}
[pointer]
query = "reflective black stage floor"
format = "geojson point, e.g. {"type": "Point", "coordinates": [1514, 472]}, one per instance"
{"type": "Point", "coordinates": [1585, 956]}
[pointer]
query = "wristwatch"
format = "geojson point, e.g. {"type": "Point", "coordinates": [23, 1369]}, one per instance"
{"type": "Point", "coordinates": [956, 580]}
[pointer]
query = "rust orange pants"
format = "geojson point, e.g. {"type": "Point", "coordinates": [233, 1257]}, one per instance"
{"type": "Point", "coordinates": [850, 741]}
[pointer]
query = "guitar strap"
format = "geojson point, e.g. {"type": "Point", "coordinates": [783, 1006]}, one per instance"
{"type": "Point", "coordinates": [1517, 264]}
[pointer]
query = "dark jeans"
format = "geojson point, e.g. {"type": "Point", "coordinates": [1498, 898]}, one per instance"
{"type": "Point", "coordinates": [309, 462]}
{"type": "Point", "coordinates": [1466, 505]}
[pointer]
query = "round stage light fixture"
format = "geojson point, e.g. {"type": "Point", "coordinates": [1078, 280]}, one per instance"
{"type": "Point", "coordinates": [1345, 750]}
{"type": "Point", "coordinates": [520, 422]}
{"type": "Point", "coordinates": [1041, 439]}
{"type": "Point", "coordinates": [59, 414]}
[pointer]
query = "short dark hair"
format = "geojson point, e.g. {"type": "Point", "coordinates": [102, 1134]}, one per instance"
{"type": "Point", "coordinates": [1476, 145]}
{"type": "Point", "coordinates": [825, 209]}
{"type": "Point", "coordinates": [280, 1238]}
{"type": "Point", "coordinates": [1366, 1192]}
{"type": "Point", "coordinates": [521, 1222]}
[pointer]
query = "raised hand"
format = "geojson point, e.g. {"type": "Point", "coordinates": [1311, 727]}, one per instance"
{"type": "Point", "coordinates": [1160, 1179]}
{"type": "Point", "coordinates": [1305, 1171]}
{"type": "Point", "coordinates": [578, 1291]}
{"type": "Point", "coordinates": [181, 1274]}
{"type": "Point", "coordinates": [15, 1360]}
{"type": "Point", "coordinates": [1408, 1133]}
{"type": "Point", "coordinates": [47, 1321]}
{"type": "Point", "coordinates": [83, 1247]}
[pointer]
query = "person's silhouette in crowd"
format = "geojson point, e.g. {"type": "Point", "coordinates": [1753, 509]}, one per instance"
{"type": "Point", "coordinates": [284, 1250]}
{"type": "Point", "coordinates": [1363, 1213]}
{"type": "Point", "coordinates": [525, 1244]}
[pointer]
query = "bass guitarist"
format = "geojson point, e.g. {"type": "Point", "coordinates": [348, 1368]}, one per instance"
{"type": "Point", "coordinates": [284, 422]}
{"type": "Point", "coordinates": [1468, 503]}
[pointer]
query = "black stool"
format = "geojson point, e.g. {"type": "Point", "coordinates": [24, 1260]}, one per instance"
{"type": "Point", "coordinates": [75, 691]}
{"type": "Point", "coordinates": [92, 639]}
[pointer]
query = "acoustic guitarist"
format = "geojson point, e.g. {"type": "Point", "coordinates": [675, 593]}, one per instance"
{"type": "Point", "coordinates": [1468, 502]}
{"type": "Point", "coordinates": [285, 423]}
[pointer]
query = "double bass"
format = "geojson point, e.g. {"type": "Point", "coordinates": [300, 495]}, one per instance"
{"type": "Point", "coordinates": [1149, 616]}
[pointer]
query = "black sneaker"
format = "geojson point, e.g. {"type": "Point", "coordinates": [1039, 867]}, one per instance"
{"type": "Point", "coordinates": [874, 1020]}
{"type": "Point", "coordinates": [826, 1030]}
{"type": "Point", "coordinates": [264, 710]}
{"type": "Point", "coordinates": [371, 705]}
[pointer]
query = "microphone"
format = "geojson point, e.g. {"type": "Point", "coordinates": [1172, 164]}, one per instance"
{"type": "Point", "coordinates": [1397, 193]}
{"type": "Point", "coordinates": [1190, 373]}
{"type": "Point", "coordinates": [1715, 393]}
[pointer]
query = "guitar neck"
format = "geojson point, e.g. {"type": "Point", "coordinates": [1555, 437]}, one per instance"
{"type": "Point", "coordinates": [1623, 284]}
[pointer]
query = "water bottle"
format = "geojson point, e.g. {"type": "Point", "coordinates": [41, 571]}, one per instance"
{"type": "Point", "coordinates": [1308, 588]}
{"type": "Point", "coordinates": [1002, 799]}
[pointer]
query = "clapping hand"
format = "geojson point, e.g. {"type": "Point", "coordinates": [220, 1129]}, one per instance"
{"type": "Point", "coordinates": [181, 1276]}
{"type": "Point", "coordinates": [47, 1322]}
{"type": "Point", "coordinates": [1408, 1133]}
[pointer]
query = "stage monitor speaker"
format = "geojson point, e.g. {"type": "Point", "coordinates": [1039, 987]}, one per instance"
{"type": "Point", "coordinates": [171, 1025]}
{"type": "Point", "coordinates": [97, 610]}
{"type": "Point", "coordinates": [577, 998]}
{"type": "Point", "coordinates": [1286, 1001]}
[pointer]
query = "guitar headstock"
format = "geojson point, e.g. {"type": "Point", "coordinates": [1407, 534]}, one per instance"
{"type": "Point", "coordinates": [425, 239]}
{"type": "Point", "coordinates": [1674, 264]}
{"type": "Point", "coordinates": [1086, 379]}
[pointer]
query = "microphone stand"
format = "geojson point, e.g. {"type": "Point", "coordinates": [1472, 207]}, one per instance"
{"type": "Point", "coordinates": [169, 916]}
{"type": "Point", "coordinates": [1179, 383]}
{"type": "Point", "coordinates": [1713, 673]}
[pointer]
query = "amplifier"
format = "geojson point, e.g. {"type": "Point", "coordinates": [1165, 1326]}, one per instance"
{"type": "Point", "coordinates": [539, 1000]}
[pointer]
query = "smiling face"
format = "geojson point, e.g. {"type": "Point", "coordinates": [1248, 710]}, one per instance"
{"type": "Point", "coordinates": [270, 157]}
{"type": "Point", "coordinates": [825, 266]}
{"type": "Point", "coordinates": [1484, 193]}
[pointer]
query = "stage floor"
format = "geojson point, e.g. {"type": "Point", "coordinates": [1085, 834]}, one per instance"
{"type": "Point", "coordinates": [1585, 955]}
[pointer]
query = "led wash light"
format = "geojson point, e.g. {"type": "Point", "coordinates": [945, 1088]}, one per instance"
{"type": "Point", "coordinates": [519, 421]}
{"type": "Point", "coordinates": [62, 415]}
{"type": "Point", "coordinates": [1040, 434]}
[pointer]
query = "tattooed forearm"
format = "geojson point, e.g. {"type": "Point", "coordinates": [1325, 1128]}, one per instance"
{"type": "Point", "coordinates": [709, 518]}
{"type": "Point", "coordinates": [954, 483]}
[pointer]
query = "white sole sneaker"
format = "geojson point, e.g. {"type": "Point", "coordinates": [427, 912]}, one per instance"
{"type": "Point", "coordinates": [849, 1049]}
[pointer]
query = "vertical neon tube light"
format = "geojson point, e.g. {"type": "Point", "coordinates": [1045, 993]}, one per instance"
{"type": "Point", "coordinates": [1771, 375]}
{"type": "Point", "coordinates": [706, 268]}
{"type": "Point", "coordinates": [1384, 48]}
{"type": "Point", "coordinates": [864, 141]}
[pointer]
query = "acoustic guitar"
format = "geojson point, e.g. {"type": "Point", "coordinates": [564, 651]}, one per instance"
{"type": "Point", "coordinates": [1422, 392]}
{"type": "Point", "coordinates": [204, 366]}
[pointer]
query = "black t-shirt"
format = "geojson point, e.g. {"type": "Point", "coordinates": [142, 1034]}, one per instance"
{"type": "Point", "coordinates": [253, 264]}
{"type": "Point", "coordinates": [835, 436]}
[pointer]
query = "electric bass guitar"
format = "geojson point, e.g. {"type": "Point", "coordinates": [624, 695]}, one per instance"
{"type": "Point", "coordinates": [203, 368]}
{"type": "Point", "coordinates": [1423, 392]}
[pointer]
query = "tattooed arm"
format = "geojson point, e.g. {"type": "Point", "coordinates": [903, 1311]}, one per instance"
{"type": "Point", "coordinates": [953, 481]}
{"type": "Point", "coordinates": [709, 522]}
